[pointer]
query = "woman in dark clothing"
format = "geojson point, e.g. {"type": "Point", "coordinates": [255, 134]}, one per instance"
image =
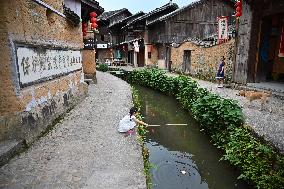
{"type": "Point", "coordinates": [221, 73]}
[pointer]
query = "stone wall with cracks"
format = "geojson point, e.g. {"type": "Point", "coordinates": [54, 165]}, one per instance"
{"type": "Point", "coordinates": [26, 111]}
{"type": "Point", "coordinates": [204, 62]}
{"type": "Point", "coordinates": [41, 114]}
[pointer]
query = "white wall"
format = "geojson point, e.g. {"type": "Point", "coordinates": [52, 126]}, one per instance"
{"type": "Point", "coordinates": [74, 5]}
{"type": "Point", "coordinates": [36, 65]}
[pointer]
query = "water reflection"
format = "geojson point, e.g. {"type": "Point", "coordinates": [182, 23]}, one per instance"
{"type": "Point", "coordinates": [182, 155]}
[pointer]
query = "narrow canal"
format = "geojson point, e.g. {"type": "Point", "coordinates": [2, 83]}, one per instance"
{"type": "Point", "coordinates": [182, 155]}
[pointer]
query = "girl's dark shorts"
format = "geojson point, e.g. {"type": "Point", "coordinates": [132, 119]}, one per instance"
{"type": "Point", "coordinates": [220, 74]}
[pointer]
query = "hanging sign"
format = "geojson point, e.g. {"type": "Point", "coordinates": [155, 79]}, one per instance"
{"type": "Point", "coordinates": [281, 49]}
{"type": "Point", "coordinates": [150, 48]}
{"type": "Point", "coordinates": [89, 44]}
{"type": "Point", "coordinates": [136, 46]}
{"type": "Point", "coordinates": [101, 46]}
{"type": "Point", "coordinates": [222, 29]}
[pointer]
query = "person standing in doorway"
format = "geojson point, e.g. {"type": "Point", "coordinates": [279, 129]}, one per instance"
{"type": "Point", "coordinates": [221, 73]}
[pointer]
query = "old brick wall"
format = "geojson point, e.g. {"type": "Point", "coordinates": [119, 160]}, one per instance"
{"type": "Point", "coordinates": [25, 112]}
{"type": "Point", "coordinates": [154, 55]}
{"type": "Point", "coordinates": [204, 61]}
{"type": "Point", "coordinates": [89, 63]}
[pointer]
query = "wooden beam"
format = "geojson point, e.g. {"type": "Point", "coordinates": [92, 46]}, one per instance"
{"type": "Point", "coordinates": [194, 22]}
{"type": "Point", "coordinates": [257, 62]}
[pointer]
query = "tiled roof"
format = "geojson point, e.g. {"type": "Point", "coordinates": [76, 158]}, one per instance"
{"type": "Point", "coordinates": [109, 14]}
{"type": "Point", "coordinates": [71, 15]}
{"type": "Point", "coordinates": [191, 5]}
{"type": "Point", "coordinates": [128, 18]}
{"type": "Point", "coordinates": [153, 12]}
{"type": "Point", "coordinates": [94, 4]}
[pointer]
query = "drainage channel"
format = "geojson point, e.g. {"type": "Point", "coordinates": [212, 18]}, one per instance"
{"type": "Point", "coordinates": [182, 156]}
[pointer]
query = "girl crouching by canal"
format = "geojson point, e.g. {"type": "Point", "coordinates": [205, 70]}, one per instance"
{"type": "Point", "coordinates": [127, 124]}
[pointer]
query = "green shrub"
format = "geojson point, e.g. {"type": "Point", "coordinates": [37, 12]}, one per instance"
{"type": "Point", "coordinates": [216, 114]}
{"type": "Point", "coordinates": [102, 67]}
{"type": "Point", "coordinates": [142, 131]}
{"type": "Point", "coordinates": [258, 162]}
{"type": "Point", "coordinates": [223, 120]}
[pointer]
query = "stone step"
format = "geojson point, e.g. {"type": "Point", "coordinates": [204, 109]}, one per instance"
{"type": "Point", "coordinates": [10, 148]}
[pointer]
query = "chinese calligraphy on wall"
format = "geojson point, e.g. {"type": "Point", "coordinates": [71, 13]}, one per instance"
{"type": "Point", "coordinates": [38, 64]}
{"type": "Point", "coordinates": [222, 29]}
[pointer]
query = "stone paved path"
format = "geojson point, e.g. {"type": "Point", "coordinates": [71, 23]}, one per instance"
{"type": "Point", "coordinates": [268, 122]}
{"type": "Point", "coordinates": [84, 150]}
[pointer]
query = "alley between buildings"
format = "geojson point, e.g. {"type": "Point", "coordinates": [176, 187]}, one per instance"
{"type": "Point", "coordinates": [84, 150]}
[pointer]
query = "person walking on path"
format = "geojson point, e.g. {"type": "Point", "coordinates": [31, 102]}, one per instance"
{"type": "Point", "coordinates": [127, 124]}
{"type": "Point", "coordinates": [221, 73]}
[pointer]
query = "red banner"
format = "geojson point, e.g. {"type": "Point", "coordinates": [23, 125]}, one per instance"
{"type": "Point", "coordinates": [222, 29]}
{"type": "Point", "coordinates": [281, 49]}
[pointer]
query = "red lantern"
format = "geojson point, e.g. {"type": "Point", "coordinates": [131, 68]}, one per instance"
{"type": "Point", "coordinates": [238, 14]}
{"type": "Point", "coordinates": [93, 20]}
{"type": "Point", "coordinates": [84, 28]}
{"type": "Point", "coordinates": [93, 14]}
{"type": "Point", "coordinates": [238, 9]}
{"type": "Point", "coordinates": [238, 6]}
{"type": "Point", "coordinates": [94, 25]}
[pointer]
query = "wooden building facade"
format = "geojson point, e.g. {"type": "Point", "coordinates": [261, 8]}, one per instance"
{"type": "Point", "coordinates": [137, 34]}
{"type": "Point", "coordinates": [107, 37]}
{"type": "Point", "coordinates": [122, 40]}
{"type": "Point", "coordinates": [260, 42]}
{"type": "Point", "coordinates": [197, 21]}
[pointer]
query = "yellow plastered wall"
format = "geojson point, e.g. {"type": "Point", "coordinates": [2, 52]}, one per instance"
{"type": "Point", "coordinates": [203, 60]}
{"type": "Point", "coordinates": [154, 55]}
{"type": "Point", "coordinates": [26, 22]}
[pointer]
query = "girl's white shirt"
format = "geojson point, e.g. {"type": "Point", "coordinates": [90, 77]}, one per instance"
{"type": "Point", "coordinates": [126, 123]}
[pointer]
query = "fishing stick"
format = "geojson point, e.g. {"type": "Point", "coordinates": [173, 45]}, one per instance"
{"type": "Point", "coordinates": [176, 124]}
{"type": "Point", "coordinates": [169, 124]}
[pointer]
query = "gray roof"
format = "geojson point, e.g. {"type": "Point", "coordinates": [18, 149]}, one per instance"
{"type": "Point", "coordinates": [157, 10]}
{"type": "Point", "coordinates": [128, 18]}
{"type": "Point", "coordinates": [109, 14]}
{"type": "Point", "coordinates": [94, 4]}
{"type": "Point", "coordinates": [191, 5]}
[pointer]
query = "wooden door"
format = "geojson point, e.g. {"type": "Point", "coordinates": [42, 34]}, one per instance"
{"type": "Point", "coordinates": [168, 58]}
{"type": "Point", "coordinates": [186, 61]}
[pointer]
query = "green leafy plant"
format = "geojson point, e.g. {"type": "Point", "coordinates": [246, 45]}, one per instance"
{"type": "Point", "coordinates": [102, 67]}
{"type": "Point", "coordinates": [259, 163]}
{"type": "Point", "coordinates": [142, 131]}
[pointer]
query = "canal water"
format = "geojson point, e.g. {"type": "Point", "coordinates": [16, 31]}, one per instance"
{"type": "Point", "coordinates": [183, 157]}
